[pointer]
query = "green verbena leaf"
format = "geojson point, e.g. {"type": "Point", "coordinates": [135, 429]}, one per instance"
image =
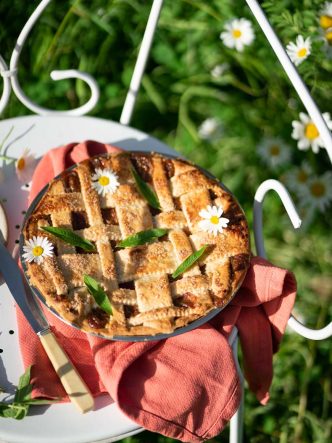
{"type": "Point", "coordinates": [145, 190]}
{"type": "Point", "coordinates": [189, 261]}
{"type": "Point", "coordinates": [24, 387]}
{"type": "Point", "coordinates": [16, 411]}
{"type": "Point", "coordinates": [98, 294]}
{"type": "Point", "coordinates": [141, 238]}
{"type": "Point", "coordinates": [68, 236]}
{"type": "Point", "coordinates": [41, 401]}
{"type": "Point", "coordinates": [19, 408]}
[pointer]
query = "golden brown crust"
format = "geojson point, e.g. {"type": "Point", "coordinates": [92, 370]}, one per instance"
{"type": "Point", "coordinates": [144, 297]}
{"type": "Point", "coordinates": [161, 185]}
{"type": "Point", "coordinates": [170, 220]}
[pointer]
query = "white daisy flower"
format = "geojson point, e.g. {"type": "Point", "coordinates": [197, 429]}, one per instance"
{"type": "Point", "coordinates": [25, 166]}
{"type": "Point", "coordinates": [37, 248]}
{"type": "Point", "coordinates": [327, 39]}
{"type": "Point", "coordinates": [274, 152]}
{"type": "Point", "coordinates": [212, 221]}
{"type": "Point", "coordinates": [210, 129]}
{"type": "Point", "coordinates": [318, 193]}
{"type": "Point", "coordinates": [219, 70]}
{"type": "Point", "coordinates": [307, 134]}
{"type": "Point", "coordinates": [325, 19]}
{"type": "Point", "coordinates": [328, 36]}
{"type": "Point", "coordinates": [298, 177]}
{"type": "Point", "coordinates": [300, 50]}
{"type": "Point", "coordinates": [105, 181]}
{"type": "Point", "coordinates": [237, 34]}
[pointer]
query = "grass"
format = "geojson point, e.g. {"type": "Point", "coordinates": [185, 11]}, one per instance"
{"type": "Point", "coordinates": [253, 99]}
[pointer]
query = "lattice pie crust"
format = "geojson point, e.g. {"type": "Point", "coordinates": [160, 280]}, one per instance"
{"type": "Point", "coordinates": [145, 299]}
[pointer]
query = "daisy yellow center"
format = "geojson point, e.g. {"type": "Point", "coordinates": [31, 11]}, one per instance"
{"type": "Point", "coordinates": [236, 33]}
{"type": "Point", "coordinates": [311, 131]}
{"type": "Point", "coordinates": [302, 52]}
{"type": "Point", "coordinates": [20, 163]}
{"type": "Point", "coordinates": [317, 189]}
{"type": "Point", "coordinates": [328, 37]}
{"type": "Point", "coordinates": [325, 21]}
{"type": "Point", "coordinates": [275, 150]}
{"type": "Point", "coordinates": [302, 176]}
{"type": "Point", "coordinates": [103, 180]}
{"type": "Point", "coordinates": [37, 251]}
{"type": "Point", "coordinates": [214, 219]}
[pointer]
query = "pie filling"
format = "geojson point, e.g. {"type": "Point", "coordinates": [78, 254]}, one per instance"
{"type": "Point", "coordinates": [102, 202]}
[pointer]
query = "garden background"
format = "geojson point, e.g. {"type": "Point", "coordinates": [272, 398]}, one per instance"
{"type": "Point", "coordinates": [251, 102]}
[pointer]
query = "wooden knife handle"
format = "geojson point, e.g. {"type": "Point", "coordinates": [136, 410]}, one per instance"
{"type": "Point", "coordinates": [71, 380]}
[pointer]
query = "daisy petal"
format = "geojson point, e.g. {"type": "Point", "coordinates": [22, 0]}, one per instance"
{"type": "Point", "coordinates": [204, 213]}
{"type": "Point", "coordinates": [220, 211]}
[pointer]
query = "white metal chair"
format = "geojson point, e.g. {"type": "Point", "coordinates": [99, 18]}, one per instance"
{"type": "Point", "coordinates": [10, 79]}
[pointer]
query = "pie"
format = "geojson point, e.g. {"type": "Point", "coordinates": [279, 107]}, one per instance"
{"type": "Point", "coordinates": [145, 298]}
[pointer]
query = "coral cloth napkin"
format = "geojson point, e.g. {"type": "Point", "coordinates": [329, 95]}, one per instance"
{"type": "Point", "coordinates": [185, 387]}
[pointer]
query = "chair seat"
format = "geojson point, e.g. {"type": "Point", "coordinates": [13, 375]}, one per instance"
{"type": "Point", "coordinates": [40, 134]}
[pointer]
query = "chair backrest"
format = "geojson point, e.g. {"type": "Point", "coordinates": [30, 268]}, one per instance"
{"type": "Point", "coordinates": [318, 119]}
{"type": "Point", "coordinates": [11, 82]}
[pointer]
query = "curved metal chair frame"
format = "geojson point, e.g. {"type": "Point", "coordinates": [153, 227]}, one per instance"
{"type": "Point", "coordinates": [11, 82]}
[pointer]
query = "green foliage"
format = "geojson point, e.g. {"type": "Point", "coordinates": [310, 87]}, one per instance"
{"type": "Point", "coordinates": [98, 293]}
{"type": "Point", "coordinates": [68, 236]}
{"type": "Point", "coordinates": [252, 99]}
{"type": "Point", "coordinates": [189, 261]}
{"type": "Point", "coordinates": [19, 407]}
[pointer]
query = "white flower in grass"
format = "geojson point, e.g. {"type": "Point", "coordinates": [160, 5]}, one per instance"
{"type": "Point", "coordinates": [210, 129]}
{"type": "Point", "coordinates": [298, 177]}
{"type": "Point", "coordinates": [307, 134]}
{"type": "Point", "coordinates": [318, 193]}
{"type": "Point", "coordinates": [219, 70]}
{"type": "Point", "coordinates": [237, 34]}
{"type": "Point", "coordinates": [274, 152]}
{"type": "Point", "coordinates": [300, 50]}
{"type": "Point", "coordinates": [105, 181]}
{"type": "Point", "coordinates": [325, 19]}
{"type": "Point", "coordinates": [36, 249]}
{"type": "Point", "coordinates": [327, 38]}
{"type": "Point", "coordinates": [25, 166]}
{"type": "Point", "coordinates": [212, 222]}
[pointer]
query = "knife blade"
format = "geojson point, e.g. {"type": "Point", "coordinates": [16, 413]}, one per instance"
{"type": "Point", "coordinates": [11, 274]}
{"type": "Point", "coordinates": [74, 385]}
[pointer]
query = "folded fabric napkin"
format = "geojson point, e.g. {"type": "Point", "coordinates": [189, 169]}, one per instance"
{"type": "Point", "coordinates": [185, 387]}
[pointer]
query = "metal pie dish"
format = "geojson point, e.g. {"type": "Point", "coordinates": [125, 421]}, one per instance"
{"type": "Point", "coordinates": [126, 338]}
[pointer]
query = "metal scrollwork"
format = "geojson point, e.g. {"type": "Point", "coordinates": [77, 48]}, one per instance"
{"type": "Point", "coordinates": [10, 77]}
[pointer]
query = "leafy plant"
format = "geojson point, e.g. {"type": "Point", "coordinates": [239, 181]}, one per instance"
{"type": "Point", "coordinates": [142, 237]}
{"type": "Point", "coordinates": [70, 237]}
{"type": "Point", "coordinates": [145, 190]}
{"type": "Point", "coordinates": [19, 407]}
{"type": "Point", "coordinates": [98, 293]}
{"type": "Point", "coordinates": [189, 261]}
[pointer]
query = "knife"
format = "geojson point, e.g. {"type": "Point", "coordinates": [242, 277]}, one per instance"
{"type": "Point", "coordinates": [72, 382]}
